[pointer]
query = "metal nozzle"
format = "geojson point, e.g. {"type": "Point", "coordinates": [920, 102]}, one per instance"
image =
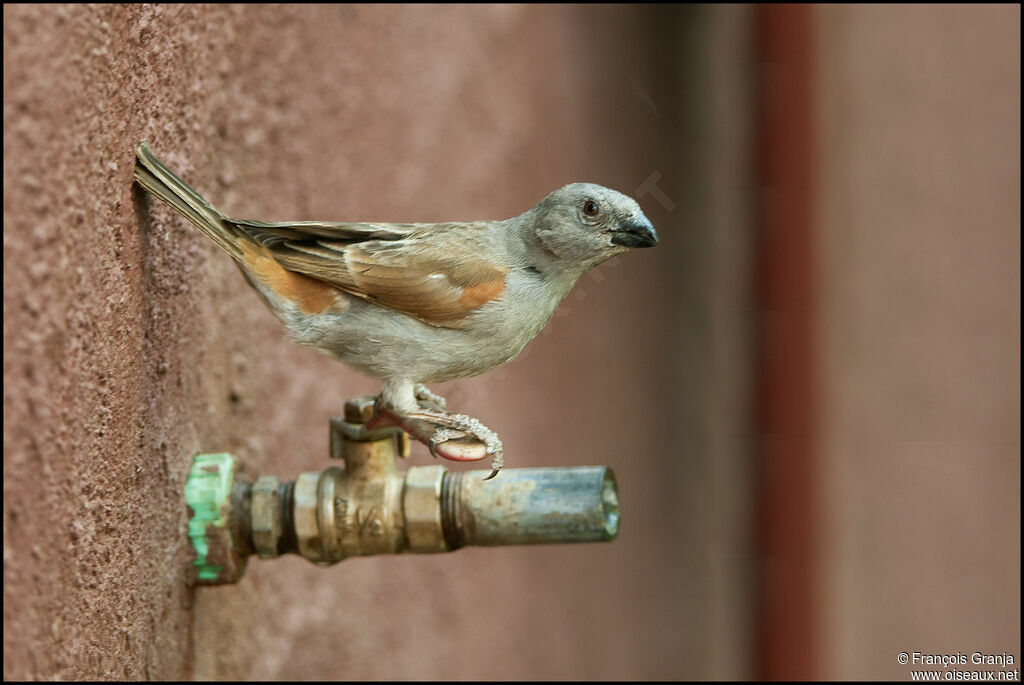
{"type": "Point", "coordinates": [530, 507]}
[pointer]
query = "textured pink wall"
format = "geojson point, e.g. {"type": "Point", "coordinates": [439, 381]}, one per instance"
{"type": "Point", "coordinates": [132, 342]}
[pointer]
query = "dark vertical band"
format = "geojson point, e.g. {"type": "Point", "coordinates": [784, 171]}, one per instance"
{"type": "Point", "coordinates": [787, 640]}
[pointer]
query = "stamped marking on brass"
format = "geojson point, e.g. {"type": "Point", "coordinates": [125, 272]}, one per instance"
{"type": "Point", "coordinates": [342, 520]}
{"type": "Point", "coordinates": [369, 522]}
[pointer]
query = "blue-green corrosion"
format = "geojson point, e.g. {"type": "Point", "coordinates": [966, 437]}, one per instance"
{"type": "Point", "coordinates": [207, 492]}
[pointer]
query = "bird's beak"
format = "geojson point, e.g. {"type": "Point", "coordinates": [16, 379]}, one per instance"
{"type": "Point", "coordinates": [637, 232]}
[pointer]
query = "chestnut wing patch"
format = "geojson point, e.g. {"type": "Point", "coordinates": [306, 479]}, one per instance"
{"type": "Point", "coordinates": [423, 270]}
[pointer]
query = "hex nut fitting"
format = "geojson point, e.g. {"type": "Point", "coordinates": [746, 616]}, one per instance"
{"type": "Point", "coordinates": [421, 509]}
{"type": "Point", "coordinates": [305, 505]}
{"type": "Point", "coordinates": [266, 520]}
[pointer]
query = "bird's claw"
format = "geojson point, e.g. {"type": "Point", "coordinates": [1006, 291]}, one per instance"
{"type": "Point", "coordinates": [472, 435]}
{"type": "Point", "coordinates": [443, 435]}
{"type": "Point", "coordinates": [471, 439]}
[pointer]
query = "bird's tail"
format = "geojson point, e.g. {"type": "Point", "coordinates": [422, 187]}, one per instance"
{"type": "Point", "coordinates": [160, 181]}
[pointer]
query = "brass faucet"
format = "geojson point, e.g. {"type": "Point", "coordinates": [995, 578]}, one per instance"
{"type": "Point", "coordinates": [371, 507]}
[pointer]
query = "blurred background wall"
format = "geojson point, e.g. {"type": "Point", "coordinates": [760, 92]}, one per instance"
{"type": "Point", "coordinates": [131, 342]}
{"type": "Point", "coordinates": [918, 131]}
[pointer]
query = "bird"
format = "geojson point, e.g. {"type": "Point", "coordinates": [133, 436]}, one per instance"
{"type": "Point", "coordinates": [417, 303]}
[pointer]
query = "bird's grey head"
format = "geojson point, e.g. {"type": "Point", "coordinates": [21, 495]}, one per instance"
{"type": "Point", "coordinates": [587, 223]}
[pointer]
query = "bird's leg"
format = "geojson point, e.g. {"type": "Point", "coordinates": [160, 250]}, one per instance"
{"type": "Point", "coordinates": [455, 437]}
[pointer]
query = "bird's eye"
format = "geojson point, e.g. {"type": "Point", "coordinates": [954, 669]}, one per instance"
{"type": "Point", "coordinates": [591, 208]}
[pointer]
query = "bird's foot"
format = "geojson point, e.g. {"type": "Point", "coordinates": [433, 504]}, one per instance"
{"type": "Point", "coordinates": [430, 400]}
{"type": "Point", "coordinates": [455, 437]}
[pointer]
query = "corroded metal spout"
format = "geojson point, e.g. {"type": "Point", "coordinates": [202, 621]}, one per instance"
{"type": "Point", "coordinates": [370, 507]}
{"type": "Point", "coordinates": [530, 506]}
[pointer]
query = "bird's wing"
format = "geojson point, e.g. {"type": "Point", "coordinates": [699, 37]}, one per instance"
{"type": "Point", "coordinates": [434, 272]}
